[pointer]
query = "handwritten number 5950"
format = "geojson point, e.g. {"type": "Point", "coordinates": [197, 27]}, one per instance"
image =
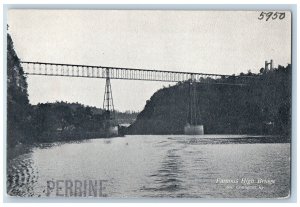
{"type": "Point", "coordinates": [272, 15]}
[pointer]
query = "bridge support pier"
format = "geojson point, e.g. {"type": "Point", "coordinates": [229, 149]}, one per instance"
{"type": "Point", "coordinates": [111, 128]}
{"type": "Point", "coordinates": [192, 127]}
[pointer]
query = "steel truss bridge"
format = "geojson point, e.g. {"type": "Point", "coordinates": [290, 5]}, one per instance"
{"type": "Point", "coordinates": [108, 73]}
{"type": "Point", "coordinates": [89, 71]}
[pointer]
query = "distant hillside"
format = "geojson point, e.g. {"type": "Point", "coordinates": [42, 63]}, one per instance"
{"type": "Point", "coordinates": [262, 106]}
{"type": "Point", "coordinates": [127, 117]}
{"type": "Point", "coordinates": [63, 121]}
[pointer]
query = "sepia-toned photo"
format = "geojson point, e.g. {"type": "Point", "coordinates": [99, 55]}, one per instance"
{"type": "Point", "coordinates": [149, 104]}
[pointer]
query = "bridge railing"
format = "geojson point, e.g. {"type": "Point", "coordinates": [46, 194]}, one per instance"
{"type": "Point", "coordinates": [88, 71]}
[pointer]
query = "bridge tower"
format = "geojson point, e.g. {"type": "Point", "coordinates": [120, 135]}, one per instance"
{"type": "Point", "coordinates": [192, 127]}
{"type": "Point", "coordinates": [108, 107]}
{"type": "Point", "coordinates": [193, 112]}
{"type": "Point", "coordinates": [269, 65]}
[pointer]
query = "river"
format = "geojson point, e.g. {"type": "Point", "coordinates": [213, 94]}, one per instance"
{"type": "Point", "coordinates": [134, 166]}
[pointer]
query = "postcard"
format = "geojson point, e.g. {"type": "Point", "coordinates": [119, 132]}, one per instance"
{"type": "Point", "coordinates": [149, 103]}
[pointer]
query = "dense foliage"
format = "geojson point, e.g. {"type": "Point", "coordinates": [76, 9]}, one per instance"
{"type": "Point", "coordinates": [244, 104]}
{"type": "Point", "coordinates": [18, 108]}
{"type": "Point", "coordinates": [63, 121]}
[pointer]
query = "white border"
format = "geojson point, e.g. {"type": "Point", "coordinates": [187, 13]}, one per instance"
{"type": "Point", "coordinates": [111, 2]}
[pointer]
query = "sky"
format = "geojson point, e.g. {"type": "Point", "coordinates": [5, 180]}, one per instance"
{"type": "Point", "coordinates": [223, 42]}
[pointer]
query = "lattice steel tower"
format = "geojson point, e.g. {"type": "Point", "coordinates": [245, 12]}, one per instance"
{"type": "Point", "coordinates": [108, 103]}
{"type": "Point", "coordinates": [192, 111]}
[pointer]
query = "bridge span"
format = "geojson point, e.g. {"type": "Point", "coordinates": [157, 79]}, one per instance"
{"type": "Point", "coordinates": [90, 71]}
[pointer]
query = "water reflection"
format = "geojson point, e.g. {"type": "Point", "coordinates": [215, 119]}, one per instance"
{"type": "Point", "coordinates": [168, 178]}
{"type": "Point", "coordinates": [107, 141]}
{"type": "Point", "coordinates": [22, 175]}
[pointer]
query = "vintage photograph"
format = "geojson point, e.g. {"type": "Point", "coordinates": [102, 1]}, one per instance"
{"type": "Point", "coordinates": [149, 103]}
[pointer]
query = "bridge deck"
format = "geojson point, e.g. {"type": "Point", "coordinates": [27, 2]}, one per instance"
{"type": "Point", "coordinates": [89, 71]}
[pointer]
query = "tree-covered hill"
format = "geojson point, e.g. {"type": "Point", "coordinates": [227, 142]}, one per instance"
{"type": "Point", "coordinates": [261, 105]}
{"type": "Point", "coordinates": [18, 108]}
